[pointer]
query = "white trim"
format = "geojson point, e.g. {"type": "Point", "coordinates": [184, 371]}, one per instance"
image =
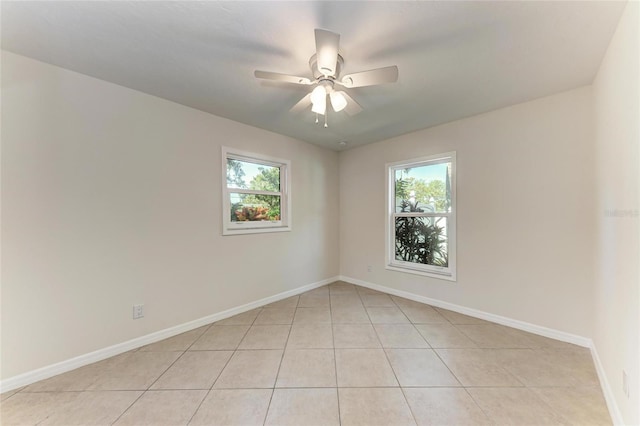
{"type": "Point", "coordinates": [448, 273]}
{"type": "Point", "coordinates": [89, 358]}
{"type": "Point", "coordinates": [520, 325]}
{"type": "Point", "coordinates": [585, 342]}
{"type": "Point", "coordinates": [235, 228]}
{"type": "Point", "coordinates": [253, 192]}
{"type": "Point", "coordinates": [408, 269]}
{"type": "Point", "coordinates": [612, 405]}
{"type": "Point", "coordinates": [250, 157]}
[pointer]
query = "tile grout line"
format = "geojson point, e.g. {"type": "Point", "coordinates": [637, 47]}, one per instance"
{"type": "Point", "coordinates": [176, 360]}
{"type": "Point", "coordinates": [438, 355]}
{"type": "Point", "coordinates": [221, 370]}
{"type": "Point", "coordinates": [129, 407]}
{"type": "Point", "coordinates": [199, 405]}
{"type": "Point", "coordinates": [335, 361]}
{"type": "Point", "coordinates": [412, 324]}
{"type": "Point", "coordinates": [413, 416]}
{"type": "Point", "coordinates": [275, 380]}
{"type": "Point", "coordinates": [478, 405]}
{"type": "Point", "coordinates": [531, 345]}
{"type": "Point", "coordinates": [144, 392]}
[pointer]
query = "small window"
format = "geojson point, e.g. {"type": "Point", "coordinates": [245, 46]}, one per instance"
{"type": "Point", "coordinates": [421, 225]}
{"type": "Point", "coordinates": [255, 193]}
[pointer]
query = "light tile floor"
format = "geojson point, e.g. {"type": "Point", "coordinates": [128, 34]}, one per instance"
{"type": "Point", "coordinates": [339, 354]}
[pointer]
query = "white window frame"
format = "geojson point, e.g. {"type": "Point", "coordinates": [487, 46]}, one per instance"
{"type": "Point", "coordinates": [249, 227]}
{"type": "Point", "coordinates": [445, 273]}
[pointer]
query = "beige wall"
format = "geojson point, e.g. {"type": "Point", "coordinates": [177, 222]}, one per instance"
{"type": "Point", "coordinates": [111, 197]}
{"type": "Point", "coordinates": [617, 117]}
{"type": "Point", "coordinates": [524, 194]}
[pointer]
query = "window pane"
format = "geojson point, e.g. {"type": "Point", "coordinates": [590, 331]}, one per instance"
{"type": "Point", "coordinates": [248, 175]}
{"type": "Point", "coordinates": [253, 208]}
{"type": "Point", "coordinates": [422, 240]}
{"type": "Point", "coordinates": [423, 189]}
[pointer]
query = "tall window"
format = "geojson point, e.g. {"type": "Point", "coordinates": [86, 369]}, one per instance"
{"type": "Point", "coordinates": [255, 193]}
{"type": "Point", "coordinates": [421, 225]}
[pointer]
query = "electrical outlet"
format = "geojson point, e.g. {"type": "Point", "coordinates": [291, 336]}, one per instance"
{"type": "Point", "coordinates": [369, 268]}
{"type": "Point", "coordinates": [625, 383]}
{"type": "Point", "coordinates": [138, 311]}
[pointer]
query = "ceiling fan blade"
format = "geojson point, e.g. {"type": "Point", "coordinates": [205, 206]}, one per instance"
{"type": "Point", "coordinates": [303, 104]}
{"type": "Point", "coordinates": [352, 107]}
{"type": "Point", "coordinates": [266, 75]}
{"type": "Point", "coordinates": [371, 77]}
{"type": "Point", "coordinates": [327, 51]}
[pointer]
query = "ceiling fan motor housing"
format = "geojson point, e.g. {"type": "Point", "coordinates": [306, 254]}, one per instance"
{"type": "Point", "coordinates": [317, 74]}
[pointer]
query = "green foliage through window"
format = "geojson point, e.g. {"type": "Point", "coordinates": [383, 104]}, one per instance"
{"type": "Point", "coordinates": [235, 174]}
{"type": "Point", "coordinates": [267, 180]}
{"type": "Point", "coordinates": [251, 206]}
{"type": "Point", "coordinates": [421, 239]}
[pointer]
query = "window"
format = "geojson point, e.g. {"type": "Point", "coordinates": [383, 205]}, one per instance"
{"type": "Point", "coordinates": [255, 193]}
{"type": "Point", "coordinates": [421, 225]}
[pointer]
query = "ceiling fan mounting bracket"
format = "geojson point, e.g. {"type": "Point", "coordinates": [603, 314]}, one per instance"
{"type": "Point", "coordinates": [319, 75]}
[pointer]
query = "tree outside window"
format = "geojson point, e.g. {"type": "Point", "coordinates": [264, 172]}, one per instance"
{"type": "Point", "coordinates": [256, 191]}
{"type": "Point", "coordinates": [421, 227]}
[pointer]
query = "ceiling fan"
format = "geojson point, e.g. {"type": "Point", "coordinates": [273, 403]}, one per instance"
{"type": "Point", "coordinates": [326, 65]}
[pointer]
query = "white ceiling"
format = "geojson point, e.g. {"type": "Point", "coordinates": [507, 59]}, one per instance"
{"type": "Point", "coordinates": [455, 59]}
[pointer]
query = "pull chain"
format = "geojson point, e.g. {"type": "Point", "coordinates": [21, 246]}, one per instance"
{"type": "Point", "coordinates": [316, 118]}
{"type": "Point", "coordinates": [325, 119]}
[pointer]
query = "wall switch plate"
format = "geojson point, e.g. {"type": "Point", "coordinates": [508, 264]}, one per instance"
{"type": "Point", "coordinates": [369, 268]}
{"type": "Point", "coordinates": [625, 383]}
{"type": "Point", "coordinates": [138, 311]}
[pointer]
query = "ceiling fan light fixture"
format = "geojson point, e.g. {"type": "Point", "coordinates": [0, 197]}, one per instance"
{"type": "Point", "coordinates": [320, 107]}
{"type": "Point", "coordinates": [319, 95]}
{"type": "Point", "coordinates": [338, 101]}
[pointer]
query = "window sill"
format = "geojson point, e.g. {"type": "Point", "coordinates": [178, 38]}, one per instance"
{"type": "Point", "coordinates": [448, 276]}
{"type": "Point", "coordinates": [255, 230]}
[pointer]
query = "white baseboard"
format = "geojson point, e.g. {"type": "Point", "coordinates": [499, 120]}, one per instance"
{"type": "Point", "coordinates": [520, 325]}
{"type": "Point", "coordinates": [585, 342]}
{"type": "Point", "coordinates": [91, 357]}
{"type": "Point", "coordinates": [614, 410]}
